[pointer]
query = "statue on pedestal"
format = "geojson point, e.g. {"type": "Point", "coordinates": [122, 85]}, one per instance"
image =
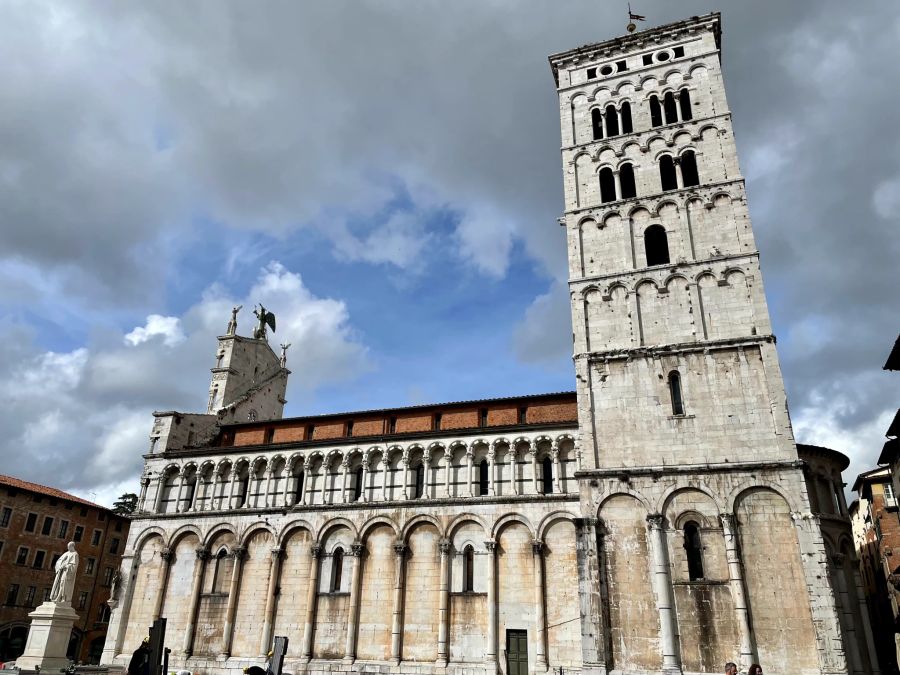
{"type": "Point", "coordinates": [232, 325]}
{"type": "Point", "coordinates": [266, 318]}
{"type": "Point", "coordinates": [64, 583]}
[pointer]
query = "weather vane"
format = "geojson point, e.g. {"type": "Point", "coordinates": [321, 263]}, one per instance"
{"type": "Point", "coordinates": [632, 17]}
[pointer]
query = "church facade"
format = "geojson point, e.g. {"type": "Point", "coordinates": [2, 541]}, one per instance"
{"type": "Point", "coordinates": [656, 519]}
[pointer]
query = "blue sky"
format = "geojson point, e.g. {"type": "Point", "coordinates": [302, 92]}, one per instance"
{"type": "Point", "coordinates": [385, 177]}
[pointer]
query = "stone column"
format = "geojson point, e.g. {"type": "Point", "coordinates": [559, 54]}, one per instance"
{"type": "Point", "coordinates": [397, 614]}
{"type": "Point", "coordinates": [849, 622]}
{"type": "Point", "coordinates": [268, 489]}
{"type": "Point", "coordinates": [306, 495]}
{"type": "Point", "coordinates": [120, 604]}
{"type": "Point", "coordinates": [215, 501]}
{"type": "Point", "coordinates": [251, 477]}
{"type": "Point", "coordinates": [665, 602]}
{"type": "Point", "coordinates": [426, 469]}
{"type": "Point", "coordinates": [385, 472]}
{"type": "Point", "coordinates": [540, 618]}
{"type": "Point", "coordinates": [490, 655]}
{"type": "Point", "coordinates": [532, 450]}
{"type": "Point", "coordinates": [353, 617]}
{"type": "Point", "coordinates": [228, 633]}
{"type": "Point", "coordinates": [160, 486]}
{"type": "Point", "coordinates": [345, 468]}
{"type": "Point", "coordinates": [166, 557]}
{"type": "Point", "coordinates": [269, 621]}
{"type": "Point", "coordinates": [286, 493]}
{"type": "Point", "coordinates": [194, 497]}
{"type": "Point", "coordinates": [618, 182]}
{"type": "Point", "coordinates": [738, 593]}
{"type": "Point", "coordinates": [312, 593]}
{"type": "Point", "coordinates": [443, 605]}
{"type": "Point", "coordinates": [557, 479]}
{"type": "Point", "coordinates": [513, 468]}
{"type": "Point", "coordinates": [588, 552]}
{"type": "Point", "coordinates": [234, 480]}
{"type": "Point", "coordinates": [470, 463]}
{"type": "Point", "coordinates": [365, 479]}
{"type": "Point", "coordinates": [448, 465]}
{"type": "Point", "coordinates": [180, 496]}
{"type": "Point", "coordinates": [491, 489]}
{"type": "Point", "coordinates": [142, 499]}
{"type": "Point", "coordinates": [405, 471]}
{"type": "Point", "coordinates": [187, 646]}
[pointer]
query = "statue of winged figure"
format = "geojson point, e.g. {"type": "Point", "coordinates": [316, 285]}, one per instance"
{"type": "Point", "coordinates": [265, 318]}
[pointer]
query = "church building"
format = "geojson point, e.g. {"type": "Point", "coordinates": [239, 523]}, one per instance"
{"type": "Point", "coordinates": [656, 519]}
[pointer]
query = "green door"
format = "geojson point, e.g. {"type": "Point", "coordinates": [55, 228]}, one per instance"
{"type": "Point", "coordinates": [516, 652]}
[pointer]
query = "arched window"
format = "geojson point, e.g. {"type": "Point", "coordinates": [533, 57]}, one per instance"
{"type": "Point", "coordinates": [694, 550]}
{"type": "Point", "coordinates": [244, 488]}
{"type": "Point", "coordinates": [547, 475]}
{"type": "Point", "coordinates": [689, 175]}
{"type": "Point", "coordinates": [612, 121]}
{"type": "Point", "coordinates": [468, 569]}
{"type": "Point", "coordinates": [626, 118]}
{"type": "Point", "coordinates": [357, 483]}
{"type": "Point", "coordinates": [667, 177]}
{"type": "Point", "coordinates": [218, 579]}
{"type": "Point", "coordinates": [483, 477]}
{"type": "Point", "coordinates": [684, 103]}
{"type": "Point", "coordinates": [419, 480]}
{"type": "Point", "coordinates": [656, 245]}
{"type": "Point", "coordinates": [337, 569]}
{"type": "Point", "coordinates": [597, 124]}
{"type": "Point", "coordinates": [655, 112]}
{"type": "Point", "coordinates": [670, 108]}
{"type": "Point", "coordinates": [298, 488]}
{"type": "Point", "coordinates": [189, 496]}
{"type": "Point", "coordinates": [607, 185]}
{"type": "Point", "coordinates": [626, 182]}
{"type": "Point", "coordinates": [675, 393]}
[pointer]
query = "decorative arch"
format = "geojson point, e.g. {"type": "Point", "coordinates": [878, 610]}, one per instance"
{"type": "Point", "coordinates": [665, 499]}
{"type": "Point", "coordinates": [182, 532]}
{"type": "Point", "coordinates": [461, 520]}
{"type": "Point", "coordinates": [374, 522]}
{"type": "Point", "coordinates": [507, 519]}
{"type": "Point", "coordinates": [216, 530]}
{"type": "Point", "coordinates": [551, 518]}
{"type": "Point", "coordinates": [291, 527]}
{"type": "Point", "coordinates": [148, 534]}
{"type": "Point", "coordinates": [760, 484]}
{"type": "Point", "coordinates": [253, 528]}
{"type": "Point", "coordinates": [335, 524]}
{"type": "Point", "coordinates": [411, 524]}
{"type": "Point", "coordinates": [630, 492]}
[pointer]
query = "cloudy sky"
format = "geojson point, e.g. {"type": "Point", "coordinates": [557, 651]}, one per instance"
{"type": "Point", "coordinates": [385, 176]}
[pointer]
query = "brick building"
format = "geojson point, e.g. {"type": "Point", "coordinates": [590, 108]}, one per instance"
{"type": "Point", "coordinates": [36, 523]}
{"type": "Point", "coordinates": [656, 520]}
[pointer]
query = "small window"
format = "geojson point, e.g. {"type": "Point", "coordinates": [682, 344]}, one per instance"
{"type": "Point", "coordinates": [22, 555]}
{"type": "Point", "coordinates": [523, 415]}
{"type": "Point", "coordinates": [31, 522]}
{"type": "Point", "coordinates": [669, 108]}
{"type": "Point", "coordinates": [626, 181]}
{"type": "Point", "coordinates": [337, 569]}
{"type": "Point", "coordinates": [678, 52]}
{"type": "Point", "coordinates": [392, 425]}
{"type": "Point", "coordinates": [675, 393]}
{"type": "Point", "coordinates": [684, 103]}
{"type": "Point", "coordinates": [621, 66]}
{"type": "Point", "coordinates": [694, 550]}
{"type": "Point", "coordinates": [89, 565]}
{"type": "Point", "coordinates": [5, 517]}
{"type": "Point", "coordinates": [612, 121]}
{"type": "Point", "coordinates": [655, 112]}
{"type": "Point", "coordinates": [298, 491]}
{"type": "Point", "coordinates": [482, 417]}
{"type": "Point", "coordinates": [101, 516]}
{"type": "Point", "coordinates": [606, 70]}
{"type": "Point", "coordinates": [607, 185]}
{"type": "Point", "coordinates": [667, 177]}
{"type": "Point", "coordinates": [47, 527]}
{"type": "Point", "coordinates": [38, 562]}
{"type": "Point", "coordinates": [468, 570]}
{"type": "Point", "coordinates": [83, 510]}
{"type": "Point", "coordinates": [349, 428]}
{"type": "Point", "coordinates": [547, 475]}
{"type": "Point", "coordinates": [418, 480]}
{"type": "Point", "coordinates": [63, 529]}
{"type": "Point", "coordinates": [12, 594]}
{"type": "Point", "coordinates": [310, 432]}
{"type": "Point", "coordinates": [656, 245]}
{"type": "Point", "coordinates": [591, 73]}
{"type": "Point", "coordinates": [82, 599]}
{"type": "Point", "coordinates": [107, 576]}
{"type": "Point", "coordinates": [627, 128]}
{"type": "Point", "coordinates": [46, 595]}
{"type": "Point", "coordinates": [79, 534]}
{"type": "Point", "coordinates": [436, 421]}
{"type": "Point", "coordinates": [95, 537]}
{"type": "Point", "coordinates": [114, 546]}
{"type": "Point", "coordinates": [103, 613]}
{"type": "Point", "coordinates": [29, 596]}
{"type": "Point", "coordinates": [596, 124]}
{"type": "Point", "coordinates": [483, 477]}
{"type": "Point", "coordinates": [647, 59]}
{"type": "Point", "coordinates": [357, 483]}
{"type": "Point", "coordinates": [689, 173]}
{"type": "Point", "coordinates": [270, 436]}
{"type": "Point", "coordinates": [118, 527]}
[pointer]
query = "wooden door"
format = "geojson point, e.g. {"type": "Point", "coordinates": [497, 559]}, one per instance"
{"type": "Point", "coordinates": [516, 652]}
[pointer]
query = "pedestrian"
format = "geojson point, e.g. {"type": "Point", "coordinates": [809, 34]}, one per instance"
{"type": "Point", "coordinates": [140, 660]}
{"type": "Point", "coordinates": [730, 668]}
{"type": "Point", "coordinates": [755, 669]}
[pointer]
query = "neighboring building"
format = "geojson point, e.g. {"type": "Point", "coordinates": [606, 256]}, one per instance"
{"type": "Point", "coordinates": [890, 453]}
{"type": "Point", "coordinates": [877, 536]}
{"type": "Point", "coordinates": [654, 521]}
{"type": "Point", "coordinates": [36, 523]}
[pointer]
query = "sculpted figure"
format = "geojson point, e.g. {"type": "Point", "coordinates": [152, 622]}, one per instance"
{"type": "Point", "coordinates": [64, 583]}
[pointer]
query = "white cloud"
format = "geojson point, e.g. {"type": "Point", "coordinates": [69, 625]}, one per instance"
{"type": "Point", "coordinates": [485, 239]}
{"type": "Point", "coordinates": [886, 198]}
{"type": "Point", "coordinates": [167, 327]}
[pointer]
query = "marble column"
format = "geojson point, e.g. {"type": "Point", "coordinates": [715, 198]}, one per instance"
{"type": "Point", "coordinates": [592, 608]}
{"type": "Point", "coordinates": [514, 469]}
{"type": "Point", "coordinates": [286, 500]}
{"type": "Point", "coordinates": [232, 492]}
{"type": "Point", "coordinates": [397, 613]}
{"type": "Point", "coordinates": [738, 591]}
{"type": "Point", "coordinates": [405, 473]}
{"type": "Point", "coordinates": [160, 487]}
{"type": "Point", "coordinates": [385, 472]}
{"type": "Point", "coordinates": [470, 464]}
{"type": "Point", "coordinates": [345, 469]}
{"type": "Point", "coordinates": [490, 655]}
{"type": "Point", "coordinates": [228, 632]}
{"type": "Point", "coordinates": [269, 620]}
{"type": "Point", "coordinates": [165, 564]}
{"type": "Point", "coordinates": [557, 478]}
{"type": "Point", "coordinates": [312, 593]}
{"type": "Point", "coordinates": [532, 450]}
{"type": "Point", "coordinates": [426, 469]}
{"type": "Point", "coordinates": [491, 489]}
{"type": "Point", "coordinates": [187, 646]}
{"type": "Point", "coordinates": [198, 483]}
{"type": "Point", "coordinates": [142, 499]}
{"type": "Point", "coordinates": [353, 615]}
{"type": "Point", "coordinates": [306, 497]}
{"type": "Point", "coordinates": [448, 467]}
{"type": "Point", "coordinates": [443, 605]}
{"type": "Point", "coordinates": [364, 478]}
{"type": "Point", "coordinates": [540, 618]}
{"type": "Point", "coordinates": [181, 483]}
{"type": "Point", "coordinates": [665, 600]}
{"type": "Point", "coordinates": [268, 500]}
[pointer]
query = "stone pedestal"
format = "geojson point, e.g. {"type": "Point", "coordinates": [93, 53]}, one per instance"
{"type": "Point", "coordinates": [48, 637]}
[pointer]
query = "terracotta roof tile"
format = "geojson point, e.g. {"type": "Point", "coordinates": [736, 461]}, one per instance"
{"type": "Point", "coordinates": [20, 484]}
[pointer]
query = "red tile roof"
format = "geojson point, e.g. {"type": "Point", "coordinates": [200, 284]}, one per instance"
{"type": "Point", "coordinates": [20, 484]}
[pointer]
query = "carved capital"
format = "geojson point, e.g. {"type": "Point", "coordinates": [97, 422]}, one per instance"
{"type": "Point", "coordinates": [537, 546]}
{"type": "Point", "coordinates": [445, 547]}
{"type": "Point", "coordinates": [838, 559]}
{"type": "Point", "coordinates": [345, 463]}
{"type": "Point", "coordinates": [167, 554]}
{"type": "Point", "coordinates": [239, 552]}
{"type": "Point", "coordinates": [490, 545]}
{"type": "Point", "coordinates": [357, 549]}
{"type": "Point", "coordinates": [277, 553]}
{"type": "Point", "coordinates": [315, 551]}
{"type": "Point", "coordinates": [145, 481]}
{"type": "Point", "coordinates": [728, 522]}
{"type": "Point", "coordinates": [400, 549]}
{"type": "Point", "coordinates": [386, 462]}
{"type": "Point", "coordinates": [655, 521]}
{"type": "Point", "coordinates": [202, 553]}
